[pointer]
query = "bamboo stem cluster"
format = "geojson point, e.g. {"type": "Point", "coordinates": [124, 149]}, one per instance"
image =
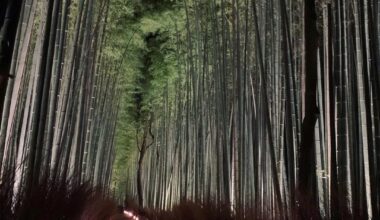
{"type": "Point", "coordinates": [60, 108]}
{"type": "Point", "coordinates": [264, 111]}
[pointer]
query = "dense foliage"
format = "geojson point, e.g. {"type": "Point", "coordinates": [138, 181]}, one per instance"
{"type": "Point", "coordinates": [144, 41]}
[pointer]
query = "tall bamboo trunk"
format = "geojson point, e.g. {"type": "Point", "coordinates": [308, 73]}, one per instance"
{"type": "Point", "coordinates": [9, 17]}
{"type": "Point", "coordinates": [306, 188]}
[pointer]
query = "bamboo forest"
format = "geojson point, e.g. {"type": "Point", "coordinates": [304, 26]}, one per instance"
{"type": "Point", "coordinates": [189, 109]}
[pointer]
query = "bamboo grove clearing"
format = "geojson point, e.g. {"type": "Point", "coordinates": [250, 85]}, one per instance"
{"type": "Point", "coordinates": [271, 106]}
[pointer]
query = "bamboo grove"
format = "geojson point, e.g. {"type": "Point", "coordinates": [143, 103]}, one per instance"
{"type": "Point", "coordinates": [268, 106]}
{"type": "Point", "coordinates": [59, 105]}
{"type": "Point", "coordinates": [274, 108]}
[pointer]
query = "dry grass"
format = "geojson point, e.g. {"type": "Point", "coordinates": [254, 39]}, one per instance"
{"type": "Point", "coordinates": [55, 200]}
{"type": "Point", "coordinates": [61, 200]}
